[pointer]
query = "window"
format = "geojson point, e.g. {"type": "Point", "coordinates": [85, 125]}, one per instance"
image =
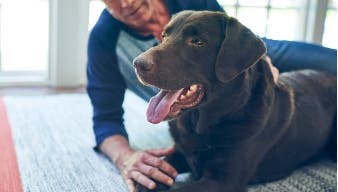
{"type": "Point", "coordinates": [330, 36]}
{"type": "Point", "coordinates": [267, 18]}
{"type": "Point", "coordinates": [287, 19]}
{"type": "Point", "coordinates": [24, 36]}
{"type": "Point", "coordinates": [95, 9]}
{"type": "Point", "coordinates": [275, 19]}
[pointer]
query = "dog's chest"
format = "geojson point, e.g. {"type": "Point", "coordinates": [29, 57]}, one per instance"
{"type": "Point", "coordinates": [187, 139]}
{"type": "Point", "coordinates": [215, 136]}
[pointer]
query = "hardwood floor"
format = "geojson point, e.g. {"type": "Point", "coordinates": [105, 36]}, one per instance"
{"type": "Point", "coordinates": [38, 90]}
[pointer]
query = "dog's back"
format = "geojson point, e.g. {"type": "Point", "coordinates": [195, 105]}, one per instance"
{"type": "Point", "coordinates": [312, 83]}
{"type": "Point", "coordinates": [314, 98]}
{"type": "Point", "coordinates": [317, 92]}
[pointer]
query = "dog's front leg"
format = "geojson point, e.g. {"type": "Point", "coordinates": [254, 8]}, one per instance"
{"type": "Point", "coordinates": [178, 161]}
{"type": "Point", "coordinates": [228, 170]}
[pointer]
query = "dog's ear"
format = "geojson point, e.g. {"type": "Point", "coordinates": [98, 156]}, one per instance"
{"type": "Point", "coordinates": [240, 49]}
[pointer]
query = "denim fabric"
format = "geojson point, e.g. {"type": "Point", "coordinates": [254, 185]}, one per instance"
{"type": "Point", "coordinates": [291, 55]}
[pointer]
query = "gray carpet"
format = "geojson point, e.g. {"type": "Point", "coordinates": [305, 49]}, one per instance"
{"type": "Point", "coordinates": [53, 140]}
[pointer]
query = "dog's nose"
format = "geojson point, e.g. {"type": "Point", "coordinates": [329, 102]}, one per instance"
{"type": "Point", "coordinates": [142, 63]}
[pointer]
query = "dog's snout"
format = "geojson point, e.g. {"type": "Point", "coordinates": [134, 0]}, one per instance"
{"type": "Point", "coordinates": [142, 63]}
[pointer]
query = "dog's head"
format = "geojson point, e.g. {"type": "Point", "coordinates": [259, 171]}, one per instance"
{"type": "Point", "coordinates": [199, 49]}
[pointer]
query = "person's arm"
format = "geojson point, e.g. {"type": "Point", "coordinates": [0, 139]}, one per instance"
{"type": "Point", "coordinates": [116, 147]}
{"type": "Point", "coordinates": [105, 86]}
{"type": "Point", "coordinates": [139, 166]}
{"type": "Point", "coordinates": [106, 89]}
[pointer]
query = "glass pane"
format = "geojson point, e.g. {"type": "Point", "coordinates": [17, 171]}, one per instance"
{"type": "Point", "coordinates": [255, 3]}
{"type": "Point", "coordinates": [231, 11]}
{"type": "Point", "coordinates": [282, 24]}
{"type": "Point", "coordinates": [285, 3]}
{"type": "Point", "coordinates": [330, 37]}
{"type": "Point", "coordinates": [95, 9]}
{"type": "Point", "coordinates": [333, 4]}
{"type": "Point", "coordinates": [227, 2]}
{"type": "Point", "coordinates": [24, 35]}
{"type": "Point", "coordinates": [254, 19]}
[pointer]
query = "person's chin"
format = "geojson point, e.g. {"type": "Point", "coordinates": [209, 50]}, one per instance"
{"type": "Point", "coordinates": [141, 22]}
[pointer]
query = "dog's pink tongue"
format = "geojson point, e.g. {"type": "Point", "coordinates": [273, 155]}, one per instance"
{"type": "Point", "coordinates": [159, 105]}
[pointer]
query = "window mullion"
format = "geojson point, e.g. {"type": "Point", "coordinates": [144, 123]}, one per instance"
{"type": "Point", "coordinates": [268, 9]}
{"type": "Point", "coordinates": [236, 8]}
{"type": "Point", "coordinates": [68, 42]}
{"type": "Point", "coordinates": [315, 21]}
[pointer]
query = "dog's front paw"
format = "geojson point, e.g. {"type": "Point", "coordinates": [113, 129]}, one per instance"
{"type": "Point", "coordinates": [159, 187]}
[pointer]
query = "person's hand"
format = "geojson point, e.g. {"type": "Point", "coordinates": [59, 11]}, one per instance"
{"type": "Point", "coordinates": [140, 166]}
{"type": "Point", "coordinates": [274, 70]}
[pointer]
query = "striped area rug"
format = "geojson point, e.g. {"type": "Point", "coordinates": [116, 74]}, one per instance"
{"type": "Point", "coordinates": [46, 145]}
{"type": "Point", "coordinates": [9, 171]}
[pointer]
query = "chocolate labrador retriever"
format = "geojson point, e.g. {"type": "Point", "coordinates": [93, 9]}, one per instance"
{"type": "Point", "coordinates": [232, 125]}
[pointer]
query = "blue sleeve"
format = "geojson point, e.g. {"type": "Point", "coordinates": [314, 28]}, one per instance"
{"type": "Point", "coordinates": [105, 85]}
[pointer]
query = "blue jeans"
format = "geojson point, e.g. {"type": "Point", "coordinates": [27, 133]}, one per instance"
{"type": "Point", "coordinates": [285, 55]}
{"type": "Point", "coordinates": [290, 55]}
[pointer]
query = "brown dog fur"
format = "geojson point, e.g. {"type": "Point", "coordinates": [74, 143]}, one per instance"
{"type": "Point", "coordinates": [247, 129]}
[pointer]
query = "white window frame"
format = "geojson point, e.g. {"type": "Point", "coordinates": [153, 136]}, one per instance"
{"type": "Point", "coordinates": [68, 42]}
{"type": "Point", "coordinates": [315, 20]}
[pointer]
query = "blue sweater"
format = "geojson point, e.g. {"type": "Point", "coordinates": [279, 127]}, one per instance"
{"type": "Point", "coordinates": [105, 85]}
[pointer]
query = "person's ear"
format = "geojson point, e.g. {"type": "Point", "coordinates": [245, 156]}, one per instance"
{"type": "Point", "coordinates": [240, 49]}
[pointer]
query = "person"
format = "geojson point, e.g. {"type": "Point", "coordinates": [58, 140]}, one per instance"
{"type": "Point", "coordinates": [124, 30]}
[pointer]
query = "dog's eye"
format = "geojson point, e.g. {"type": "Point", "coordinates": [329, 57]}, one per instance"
{"type": "Point", "coordinates": [195, 41]}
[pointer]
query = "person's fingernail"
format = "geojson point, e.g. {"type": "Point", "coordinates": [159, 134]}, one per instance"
{"type": "Point", "coordinates": [151, 185]}
{"type": "Point", "coordinates": [170, 182]}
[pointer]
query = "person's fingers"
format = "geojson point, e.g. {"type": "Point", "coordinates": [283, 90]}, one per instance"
{"type": "Point", "coordinates": [142, 166]}
{"type": "Point", "coordinates": [274, 70]}
{"type": "Point", "coordinates": [160, 164]}
{"type": "Point", "coordinates": [161, 152]}
{"type": "Point", "coordinates": [130, 185]}
{"type": "Point", "coordinates": [156, 174]}
{"type": "Point", "coordinates": [142, 179]}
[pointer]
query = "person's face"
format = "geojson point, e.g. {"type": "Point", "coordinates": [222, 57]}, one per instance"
{"type": "Point", "coordinates": [134, 13]}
